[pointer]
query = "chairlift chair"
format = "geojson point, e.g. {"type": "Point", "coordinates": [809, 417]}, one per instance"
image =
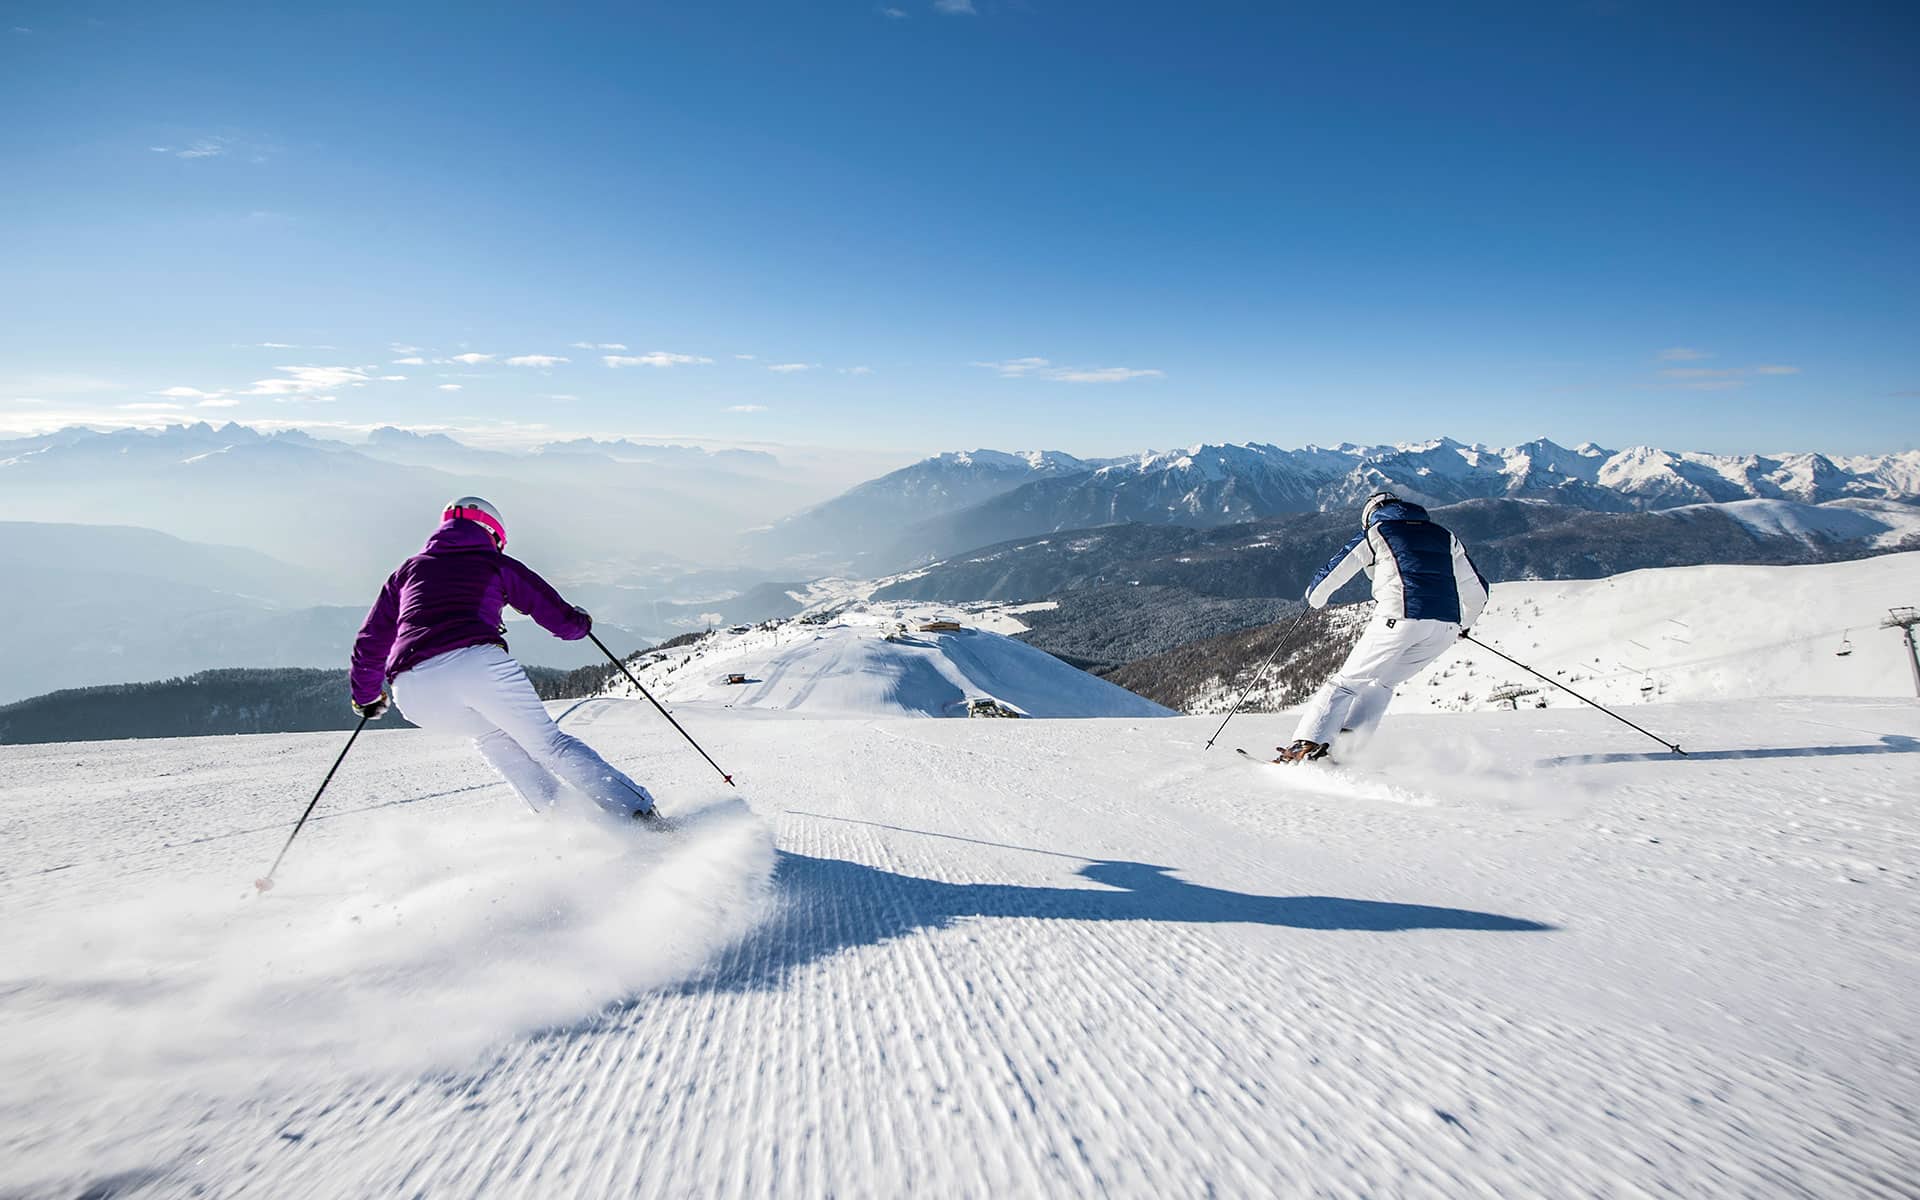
{"type": "Point", "coordinates": [1846, 646]}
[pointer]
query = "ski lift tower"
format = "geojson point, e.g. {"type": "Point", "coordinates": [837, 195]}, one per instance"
{"type": "Point", "coordinates": [1510, 694]}
{"type": "Point", "coordinates": [1904, 619]}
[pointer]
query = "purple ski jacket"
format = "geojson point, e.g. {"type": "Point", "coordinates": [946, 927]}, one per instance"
{"type": "Point", "coordinates": [448, 597]}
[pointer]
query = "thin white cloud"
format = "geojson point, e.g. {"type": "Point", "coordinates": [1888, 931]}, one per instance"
{"type": "Point", "coordinates": [956, 8]}
{"type": "Point", "coordinates": [402, 348]}
{"type": "Point", "coordinates": [450, 387]}
{"type": "Point", "coordinates": [275, 346]}
{"type": "Point", "coordinates": [536, 360]}
{"type": "Point", "coordinates": [207, 147]}
{"type": "Point", "coordinates": [1705, 379]}
{"type": "Point", "coordinates": [412, 360]}
{"type": "Point", "coordinates": [861, 370]}
{"type": "Point", "coordinates": [894, 14]}
{"type": "Point", "coordinates": [561, 396]}
{"type": "Point", "coordinates": [1014, 368]}
{"type": "Point", "coordinates": [313, 383]}
{"type": "Point", "coordinates": [745, 408]}
{"type": "Point", "coordinates": [655, 358]}
{"type": "Point", "coordinates": [1105, 374]}
{"type": "Point", "coordinates": [472, 360]}
{"type": "Point", "coordinates": [791, 368]}
{"type": "Point", "coordinates": [1040, 368]}
{"type": "Point", "coordinates": [1684, 354]}
{"type": "Point", "coordinates": [746, 357]}
{"type": "Point", "coordinates": [393, 379]}
{"type": "Point", "coordinates": [218, 402]}
{"type": "Point", "coordinates": [151, 406]}
{"type": "Point", "coordinates": [187, 393]}
{"type": "Point", "coordinates": [250, 149]}
{"type": "Point", "coordinates": [309, 383]}
{"type": "Point", "coordinates": [599, 345]}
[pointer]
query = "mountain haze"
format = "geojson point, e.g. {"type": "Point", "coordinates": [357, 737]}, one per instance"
{"type": "Point", "coordinates": [851, 526]}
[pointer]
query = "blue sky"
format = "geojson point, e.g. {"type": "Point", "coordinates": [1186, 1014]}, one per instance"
{"type": "Point", "coordinates": [916, 226]}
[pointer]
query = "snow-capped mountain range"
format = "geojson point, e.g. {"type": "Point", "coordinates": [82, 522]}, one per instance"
{"type": "Point", "coordinates": [955, 502]}
{"type": "Point", "coordinates": [1236, 479]}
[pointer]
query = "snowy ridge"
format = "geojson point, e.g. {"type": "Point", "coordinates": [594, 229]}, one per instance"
{"type": "Point", "coordinates": [1876, 522]}
{"type": "Point", "coordinates": [1687, 633]}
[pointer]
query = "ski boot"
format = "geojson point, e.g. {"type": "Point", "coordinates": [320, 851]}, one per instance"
{"type": "Point", "coordinates": [648, 813]}
{"type": "Point", "coordinates": [1303, 751]}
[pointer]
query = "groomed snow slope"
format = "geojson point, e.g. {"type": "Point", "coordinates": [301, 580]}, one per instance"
{"type": "Point", "coordinates": [847, 667]}
{"type": "Point", "coordinates": [1688, 633]}
{"type": "Point", "coordinates": [1885, 523]}
{"type": "Point", "coordinates": [1514, 955]}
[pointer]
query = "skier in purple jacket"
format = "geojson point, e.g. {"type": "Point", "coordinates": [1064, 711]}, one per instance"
{"type": "Point", "coordinates": [435, 636]}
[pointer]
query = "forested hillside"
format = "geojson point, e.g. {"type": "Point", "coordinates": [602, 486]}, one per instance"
{"type": "Point", "coordinates": [237, 700]}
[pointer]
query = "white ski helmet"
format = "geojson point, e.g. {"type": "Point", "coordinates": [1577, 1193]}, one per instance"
{"type": "Point", "coordinates": [1374, 503]}
{"type": "Point", "coordinates": [473, 508]}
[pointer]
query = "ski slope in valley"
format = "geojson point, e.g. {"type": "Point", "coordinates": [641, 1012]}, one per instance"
{"type": "Point", "coordinates": [1511, 953]}
{"type": "Point", "coordinates": [878, 661]}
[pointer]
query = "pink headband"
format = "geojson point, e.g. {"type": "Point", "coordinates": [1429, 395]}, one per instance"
{"type": "Point", "coordinates": [485, 518]}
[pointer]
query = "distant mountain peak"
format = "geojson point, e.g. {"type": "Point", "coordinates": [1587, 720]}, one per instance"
{"type": "Point", "coordinates": [393, 435]}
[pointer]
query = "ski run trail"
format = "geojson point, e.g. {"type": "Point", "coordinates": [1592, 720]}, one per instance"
{"type": "Point", "coordinates": [1492, 953]}
{"type": "Point", "coordinates": [1510, 953]}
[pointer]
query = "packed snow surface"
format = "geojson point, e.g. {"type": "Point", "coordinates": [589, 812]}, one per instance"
{"type": "Point", "coordinates": [881, 661]}
{"type": "Point", "coordinates": [1513, 953]}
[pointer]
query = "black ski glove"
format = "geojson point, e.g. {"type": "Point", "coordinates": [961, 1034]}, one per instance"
{"type": "Point", "coordinates": [373, 709]}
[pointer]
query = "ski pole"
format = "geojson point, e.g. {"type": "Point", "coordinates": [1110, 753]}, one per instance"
{"type": "Point", "coordinates": [266, 881]}
{"type": "Point", "coordinates": [663, 710]}
{"type": "Point", "coordinates": [1576, 695]}
{"type": "Point", "coordinates": [1284, 639]}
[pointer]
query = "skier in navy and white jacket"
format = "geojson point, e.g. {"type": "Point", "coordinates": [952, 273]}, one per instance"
{"type": "Point", "coordinates": [1427, 592]}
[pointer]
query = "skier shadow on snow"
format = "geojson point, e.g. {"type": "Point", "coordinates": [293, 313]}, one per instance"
{"type": "Point", "coordinates": [824, 905]}
{"type": "Point", "coordinates": [1890, 743]}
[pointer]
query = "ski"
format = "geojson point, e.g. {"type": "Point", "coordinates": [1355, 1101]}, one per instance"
{"type": "Point", "coordinates": [1322, 761]}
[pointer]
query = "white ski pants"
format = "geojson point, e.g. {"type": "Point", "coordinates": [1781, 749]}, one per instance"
{"type": "Point", "coordinates": [480, 691]}
{"type": "Point", "coordinates": [1390, 652]}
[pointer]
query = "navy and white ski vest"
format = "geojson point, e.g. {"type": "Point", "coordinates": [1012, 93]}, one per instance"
{"type": "Point", "coordinates": [1420, 571]}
